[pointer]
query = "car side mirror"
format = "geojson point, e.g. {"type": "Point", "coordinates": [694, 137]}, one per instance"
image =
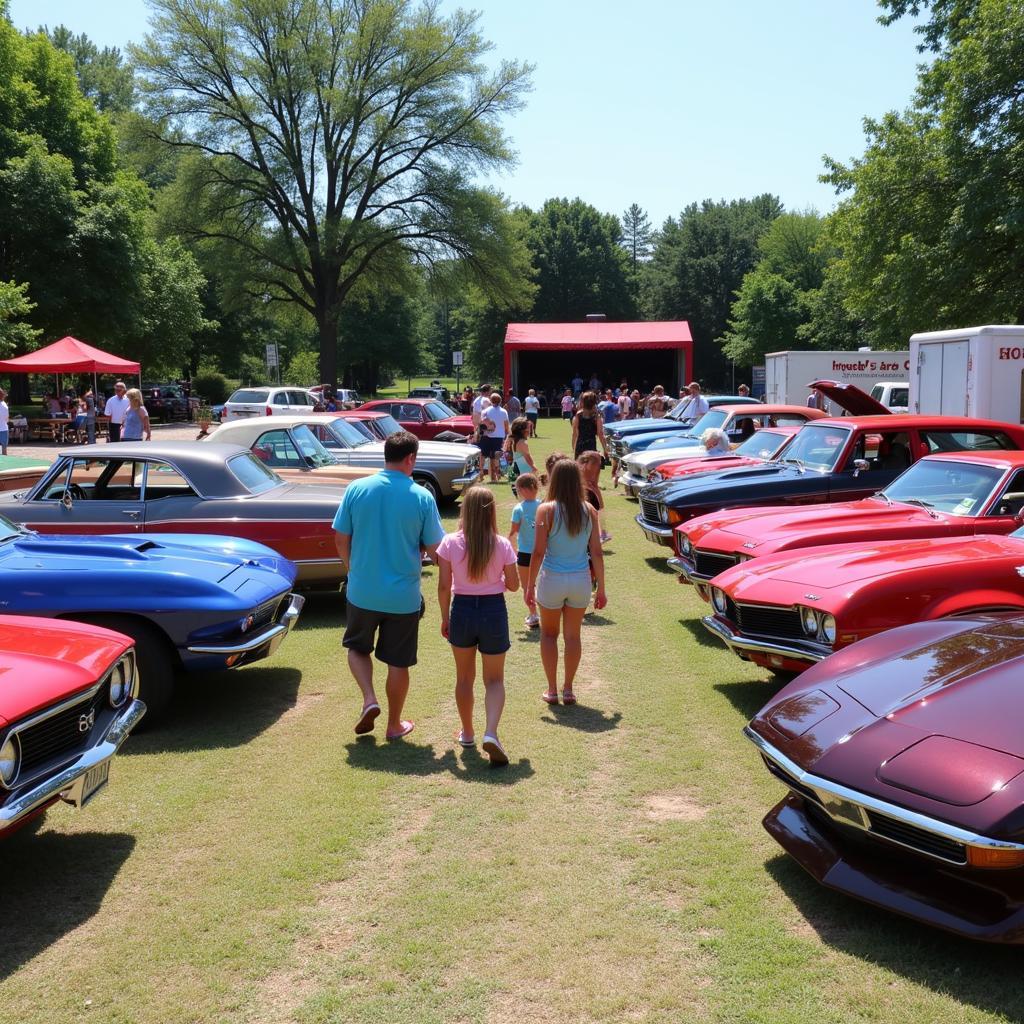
{"type": "Point", "coordinates": [860, 466]}
{"type": "Point", "coordinates": [67, 501]}
{"type": "Point", "coordinates": [1019, 518]}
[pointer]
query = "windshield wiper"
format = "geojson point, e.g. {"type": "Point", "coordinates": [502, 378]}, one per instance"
{"type": "Point", "coordinates": [929, 508]}
{"type": "Point", "coordinates": [799, 463]}
{"type": "Point", "coordinates": [885, 497]}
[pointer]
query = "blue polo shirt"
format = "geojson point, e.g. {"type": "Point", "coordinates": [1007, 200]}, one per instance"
{"type": "Point", "coordinates": [389, 518]}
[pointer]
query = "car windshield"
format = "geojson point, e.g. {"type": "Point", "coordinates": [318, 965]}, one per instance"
{"type": "Point", "coordinates": [715, 418]}
{"type": "Point", "coordinates": [348, 434]}
{"type": "Point", "coordinates": [957, 488]}
{"type": "Point", "coordinates": [761, 445]}
{"type": "Point", "coordinates": [387, 425]}
{"type": "Point", "coordinates": [311, 448]}
{"type": "Point", "coordinates": [254, 476]}
{"type": "Point", "coordinates": [817, 447]}
{"type": "Point", "coordinates": [249, 397]}
{"type": "Point", "coordinates": [10, 531]}
{"type": "Point", "coordinates": [438, 411]}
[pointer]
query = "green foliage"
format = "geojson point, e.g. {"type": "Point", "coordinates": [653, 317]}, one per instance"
{"type": "Point", "coordinates": [637, 234]}
{"type": "Point", "coordinates": [930, 231]}
{"type": "Point", "coordinates": [302, 369]}
{"type": "Point", "coordinates": [211, 386]}
{"type": "Point", "coordinates": [698, 265]}
{"type": "Point", "coordinates": [15, 306]}
{"type": "Point", "coordinates": [103, 75]}
{"type": "Point", "coordinates": [333, 140]}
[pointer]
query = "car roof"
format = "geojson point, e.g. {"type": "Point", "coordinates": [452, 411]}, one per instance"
{"type": "Point", "coordinates": [272, 387]}
{"type": "Point", "coordinates": [915, 421]}
{"type": "Point", "coordinates": [1001, 459]}
{"type": "Point", "coordinates": [766, 409]}
{"type": "Point", "coordinates": [400, 401]}
{"type": "Point", "coordinates": [361, 413]}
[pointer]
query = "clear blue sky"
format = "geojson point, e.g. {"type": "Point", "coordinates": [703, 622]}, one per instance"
{"type": "Point", "coordinates": [659, 102]}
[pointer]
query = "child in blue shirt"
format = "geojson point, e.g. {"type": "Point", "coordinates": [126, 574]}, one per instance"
{"type": "Point", "coordinates": [524, 516]}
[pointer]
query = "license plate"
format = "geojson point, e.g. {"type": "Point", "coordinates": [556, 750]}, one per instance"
{"type": "Point", "coordinates": [86, 786]}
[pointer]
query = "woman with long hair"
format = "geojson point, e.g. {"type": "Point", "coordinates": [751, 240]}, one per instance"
{"type": "Point", "coordinates": [136, 419]}
{"type": "Point", "coordinates": [517, 447]}
{"type": "Point", "coordinates": [588, 427]}
{"type": "Point", "coordinates": [477, 565]}
{"type": "Point", "coordinates": [566, 549]}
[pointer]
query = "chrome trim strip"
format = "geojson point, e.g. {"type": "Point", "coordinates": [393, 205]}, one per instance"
{"type": "Point", "coordinates": [734, 641]}
{"type": "Point", "coordinates": [276, 632]}
{"type": "Point", "coordinates": [52, 787]}
{"type": "Point", "coordinates": [683, 568]}
{"type": "Point", "coordinates": [657, 531]}
{"type": "Point", "coordinates": [464, 481]}
{"type": "Point", "coordinates": [927, 824]}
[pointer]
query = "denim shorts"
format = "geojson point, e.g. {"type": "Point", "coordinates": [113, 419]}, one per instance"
{"type": "Point", "coordinates": [557, 590]}
{"type": "Point", "coordinates": [479, 620]}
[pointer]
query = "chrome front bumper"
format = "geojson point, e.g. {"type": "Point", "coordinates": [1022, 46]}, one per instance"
{"type": "Point", "coordinates": [743, 646]}
{"type": "Point", "coordinates": [271, 638]}
{"type": "Point", "coordinates": [460, 483]}
{"type": "Point", "coordinates": [47, 790]}
{"type": "Point", "coordinates": [632, 483]}
{"type": "Point", "coordinates": [659, 534]}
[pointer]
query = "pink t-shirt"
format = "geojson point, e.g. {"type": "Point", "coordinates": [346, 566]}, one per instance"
{"type": "Point", "coordinates": [453, 549]}
{"type": "Point", "coordinates": [567, 403]}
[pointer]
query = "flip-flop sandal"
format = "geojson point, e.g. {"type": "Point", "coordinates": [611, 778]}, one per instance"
{"type": "Point", "coordinates": [549, 698]}
{"type": "Point", "coordinates": [465, 741]}
{"type": "Point", "coordinates": [407, 727]}
{"type": "Point", "coordinates": [495, 751]}
{"type": "Point", "coordinates": [367, 718]}
{"type": "Point", "coordinates": [568, 697]}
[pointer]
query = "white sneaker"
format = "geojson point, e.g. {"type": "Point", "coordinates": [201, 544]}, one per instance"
{"type": "Point", "coordinates": [533, 621]}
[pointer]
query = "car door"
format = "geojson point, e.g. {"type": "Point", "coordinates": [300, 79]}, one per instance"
{"type": "Point", "coordinates": [1005, 512]}
{"type": "Point", "coordinates": [168, 498]}
{"type": "Point", "coordinates": [101, 495]}
{"type": "Point", "coordinates": [871, 462]}
{"type": "Point", "coordinates": [300, 402]}
{"type": "Point", "coordinates": [410, 415]}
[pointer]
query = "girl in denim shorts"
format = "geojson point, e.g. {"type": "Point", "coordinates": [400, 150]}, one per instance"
{"type": "Point", "coordinates": [477, 565]}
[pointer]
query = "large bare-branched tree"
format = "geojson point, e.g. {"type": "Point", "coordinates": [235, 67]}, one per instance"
{"type": "Point", "coordinates": [333, 137]}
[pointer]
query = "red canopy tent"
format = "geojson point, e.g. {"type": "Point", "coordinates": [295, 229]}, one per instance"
{"type": "Point", "coordinates": [619, 348]}
{"type": "Point", "coordinates": [69, 355]}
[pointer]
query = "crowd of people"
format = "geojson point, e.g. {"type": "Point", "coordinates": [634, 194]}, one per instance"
{"type": "Point", "coordinates": [387, 523]}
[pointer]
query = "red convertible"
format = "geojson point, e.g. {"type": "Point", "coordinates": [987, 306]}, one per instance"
{"type": "Point", "coordinates": [904, 760]}
{"type": "Point", "coordinates": [427, 418]}
{"type": "Point", "coordinates": [950, 495]}
{"type": "Point", "coordinates": [68, 700]}
{"type": "Point", "coordinates": [785, 612]}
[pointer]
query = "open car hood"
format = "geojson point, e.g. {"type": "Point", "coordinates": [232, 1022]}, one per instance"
{"type": "Point", "coordinates": [850, 398]}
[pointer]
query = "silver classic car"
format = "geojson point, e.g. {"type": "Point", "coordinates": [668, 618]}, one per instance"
{"type": "Point", "coordinates": [443, 468]}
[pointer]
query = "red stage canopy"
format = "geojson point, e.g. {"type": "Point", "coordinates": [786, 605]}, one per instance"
{"type": "Point", "coordinates": [600, 337]}
{"type": "Point", "coordinates": [69, 355]}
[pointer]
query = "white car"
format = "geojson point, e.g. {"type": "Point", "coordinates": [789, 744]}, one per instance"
{"type": "Point", "coordinates": [268, 401]}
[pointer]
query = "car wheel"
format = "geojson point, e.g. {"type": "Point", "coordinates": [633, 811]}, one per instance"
{"type": "Point", "coordinates": [154, 659]}
{"type": "Point", "coordinates": [431, 485]}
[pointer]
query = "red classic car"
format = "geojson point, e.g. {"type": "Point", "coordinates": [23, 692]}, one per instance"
{"type": "Point", "coordinates": [427, 418]}
{"type": "Point", "coordinates": [904, 760]}
{"type": "Point", "coordinates": [949, 495]}
{"type": "Point", "coordinates": [763, 446]}
{"type": "Point", "coordinates": [68, 700]}
{"type": "Point", "coordinates": [785, 612]}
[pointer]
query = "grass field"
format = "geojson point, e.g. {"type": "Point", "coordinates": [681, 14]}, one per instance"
{"type": "Point", "coordinates": [253, 862]}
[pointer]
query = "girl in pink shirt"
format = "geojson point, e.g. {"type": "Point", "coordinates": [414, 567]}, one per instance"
{"type": "Point", "coordinates": [477, 565]}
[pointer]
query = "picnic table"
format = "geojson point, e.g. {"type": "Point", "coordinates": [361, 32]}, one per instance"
{"type": "Point", "coordinates": [62, 429]}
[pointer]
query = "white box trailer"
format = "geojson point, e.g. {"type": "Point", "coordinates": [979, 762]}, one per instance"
{"type": "Point", "coordinates": [787, 374]}
{"type": "Point", "coordinates": [974, 371]}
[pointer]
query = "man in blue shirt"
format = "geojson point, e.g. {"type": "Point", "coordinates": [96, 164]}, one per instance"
{"type": "Point", "coordinates": [382, 528]}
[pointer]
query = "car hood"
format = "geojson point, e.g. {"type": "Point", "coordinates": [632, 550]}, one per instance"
{"type": "Point", "coordinates": [707, 464]}
{"type": "Point", "coordinates": [731, 484]}
{"type": "Point", "coordinates": [849, 397]}
{"type": "Point", "coordinates": [645, 426]}
{"type": "Point", "coordinates": [654, 457]}
{"type": "Point", "coordinates": [845, 564]}
{"type": "Point", "coordinates": [441, 451]}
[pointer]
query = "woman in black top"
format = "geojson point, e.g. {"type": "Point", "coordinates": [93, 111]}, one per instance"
{"type": "Point", "coordinates": [588, 427]}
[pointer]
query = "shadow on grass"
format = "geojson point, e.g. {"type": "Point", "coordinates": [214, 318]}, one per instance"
{"type": "Point", "coordinates": [323, 609]}
{"type": "Point", "coordinates": [969, 972]}
{"type": "Point", "coordinates": [597, 619]}
{"type": "Point", "coordinates": [583, 718]}
{"type": "Point", "coordinates": [404, 758]}
{"type": "Point", "coordinates": [751, 695]}
{"type": "Point", "coordinates": [220, 709]}
{"type": "Point", "coordinates": [52, 884]}
{"type": "Point", "coordinates": [700, 635]}
{"type": "Point", "coordinates": [661, 564]}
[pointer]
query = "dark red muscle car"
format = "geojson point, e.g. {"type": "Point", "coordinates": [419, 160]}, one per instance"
{"type": "Point", "coordinates": [904, 759]}
{"type": "Point", "coordinates": [425, 417]}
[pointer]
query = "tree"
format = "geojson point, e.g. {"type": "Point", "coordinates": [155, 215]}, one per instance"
{"type": "Point", "coordinates": [103, 76]}
{"type": "Point", "coordinates": [637, 235]}
{"type": "Point", "coordinates": [697, 267]}
{"type": "Point", "coordinates": [338, 137]}
{"type": "Point", "coordinates": [931, 226]}
{"type": "Point", "coordinates": [580, 266]}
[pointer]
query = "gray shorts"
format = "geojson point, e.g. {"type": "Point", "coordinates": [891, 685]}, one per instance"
{"type": "Point", "coordinates": [563, 589]}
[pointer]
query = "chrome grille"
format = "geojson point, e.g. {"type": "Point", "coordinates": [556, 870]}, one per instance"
{"type": "Point", "coordinates": [917, 838]}
{"type": "Point", "coordinates": [783, 776]}
{"type": "Point", "coordinates": [650, 510]}
{"type": "Point", "coordinates": [763, 620]}
{"type": "Point", "coordinates": [270, 611]}
{"type": "Point", "coordinates": [710, 563]}
{"type": "Point", "coordinates": [618, 448]}
{"type": "Point", "coordinates": [60, 733]}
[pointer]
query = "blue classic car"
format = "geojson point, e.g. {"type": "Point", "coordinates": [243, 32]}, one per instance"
{"type": "Point", "coordinates": [193, 603]}
{"type": "Point", "coordinates": [678, 420]}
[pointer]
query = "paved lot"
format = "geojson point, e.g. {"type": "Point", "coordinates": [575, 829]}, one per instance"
{"type": "Point", "coordinates": [161, 432]}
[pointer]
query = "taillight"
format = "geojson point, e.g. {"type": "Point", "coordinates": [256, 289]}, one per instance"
{"type": "Point", "coordinates": [270, 411]}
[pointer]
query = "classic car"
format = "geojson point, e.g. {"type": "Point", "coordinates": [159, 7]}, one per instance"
{"type": "Point", "coordinates": [760, 447]}
{"type": "Point", "coordinates": [68, 700]}
{"type": "Point", "coordinates": [444, 469]}
{"type": "Point", "coordinates": [840, 459]}
{"type": "Point", "coordinates": [427, 418]}
{"type": "Point", "coordinates": [287, 446]}
{"type": "Point", "coordinates": [948, 495]}
{"type": "Point", "coordinates": [785, 612]}
{"type": "Point", "coordinates": [17, 472]}
{"type": "Point", "coordinates": [375, 424]}
{"type": "Point", "coordinates": [646, 452]}
{"type": "Point", "coordinates": [903, 758]}
{"type": "Point", "coordinates": [676, 419]}
{"type": "Point", "coordinates": [194, 603]}
{"type": "Point", "coordinates": [184, 487]}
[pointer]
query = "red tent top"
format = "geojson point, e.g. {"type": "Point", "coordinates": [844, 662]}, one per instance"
{"type": "Point", "coordinates": [69, 355]}
{"type": "Point", "coordinates": [651, 334]}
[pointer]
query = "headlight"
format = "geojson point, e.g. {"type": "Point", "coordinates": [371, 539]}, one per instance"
{"type": "Point", "coordinates": [245, 624]}
{"type": "Point", "coordinates": [685, 547]}
{"type": "Point", "coordinates": [809, 621]}
{"type": "Point", "coordinates": [663, 512]}
{"type": "Point", "coordinates": [719, 600]}
{"type": "Point", "coordinates": [118, 685]}
{"type": "Point", "coordinates": [828, 629]}
{"type": "Point", "coordinates": [10, 758]}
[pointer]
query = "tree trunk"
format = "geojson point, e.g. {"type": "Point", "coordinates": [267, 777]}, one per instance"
{"type": "Point", "coordinates": [327, 325]}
